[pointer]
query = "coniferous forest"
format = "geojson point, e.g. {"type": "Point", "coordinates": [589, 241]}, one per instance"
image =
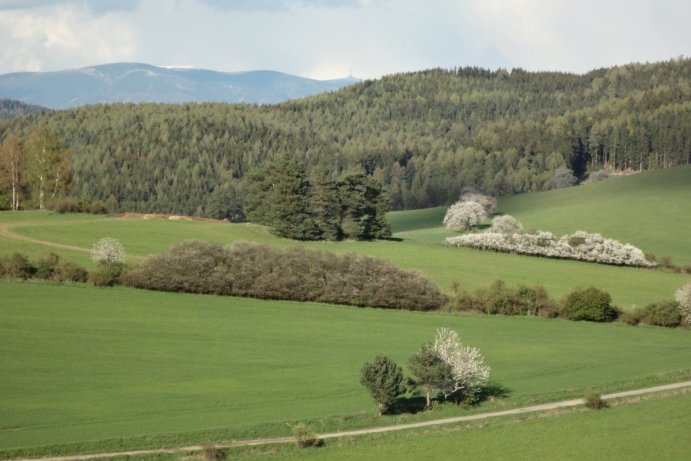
{"type": "Point", "coordinates": [425, 135]}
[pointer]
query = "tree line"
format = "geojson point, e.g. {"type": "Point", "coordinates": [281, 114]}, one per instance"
{"type": "Point", "coordinates": [36, 167]}
{"type": "Point", "coordinates": [10, 108]}
{"type": "Point", "coordinates": [426, 136]}
{"type": "Point", "coordinates": [281, 196]}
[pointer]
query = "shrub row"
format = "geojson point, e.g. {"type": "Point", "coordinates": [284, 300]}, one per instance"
{"type": "Point", "coordinates": [665, 262]}
{"type": "Point", "coordinates": [260, 271]}
{"type": "Point", "coordinates": [18, 266]}
{"type": "Point", "coordinates": [499, 299]}
{"type": "Point", "coordinates": [73, 205]}
{"type": "Point", "coordinates": [589, 304]}
{"type": "Point", "coordinates": [663, 314]}
{"type": "Point", "coordinates": [580, 245]}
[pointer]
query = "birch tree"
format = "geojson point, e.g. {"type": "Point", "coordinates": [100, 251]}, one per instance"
{"type": "Point", "coordinates": [12, 164]}
{"type": "Point", "coordinates": [46, 165]}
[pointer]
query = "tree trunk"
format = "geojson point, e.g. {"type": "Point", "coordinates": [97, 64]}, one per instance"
{"type": "Point", "coordinates": [429, 402]}
{"type": "Point", "coordinates": [40, 192]}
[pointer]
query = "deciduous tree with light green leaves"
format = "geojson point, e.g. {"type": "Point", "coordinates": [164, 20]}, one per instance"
{"type": "Point", "coordinates": [48, 163]}
{"type": "Point", "coordinates": [430, 371]}
{"type": "Point", "coordinates": [12, 166]}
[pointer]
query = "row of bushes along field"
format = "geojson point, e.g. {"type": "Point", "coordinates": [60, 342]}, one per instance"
{"type": "Point", "coordinates": [260, 271]}
{"type": "Point", "coordinates": [589, 304]}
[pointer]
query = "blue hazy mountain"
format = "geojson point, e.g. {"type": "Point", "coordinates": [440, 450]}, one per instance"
{"type": "Point", "coordinates": [132, 82]}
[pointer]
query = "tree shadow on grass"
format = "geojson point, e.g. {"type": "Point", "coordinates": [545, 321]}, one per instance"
{"type": "Point", "coordinates": [410, 405]}
{"type": "Point", "coordinates": [492, 391]}
{"type": "Point", "coordinates": [392, 239]}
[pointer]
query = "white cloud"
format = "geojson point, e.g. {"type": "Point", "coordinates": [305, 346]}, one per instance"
{"type": "Point", "coordinates": [61, 37]}
{"type": "Point", "coordinates": [581, 35]}
{"type": "Point", "coordinates": [323, 38]}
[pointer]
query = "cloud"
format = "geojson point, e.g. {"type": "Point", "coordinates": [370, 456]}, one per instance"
{"type": "Point", "coordinates": [281, 5]}
{"type": "Point", "coordinates": [324, 38]}
{"type": "Point", "coordinates": [64, 37]}
{"type": "Point", "coordinates": [97, 6]}
{"type": "Point", "coordinates": [579, 36]}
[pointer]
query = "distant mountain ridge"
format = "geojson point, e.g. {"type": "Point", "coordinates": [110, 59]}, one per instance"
{"type": "Point", "coordinates": [136, 82]}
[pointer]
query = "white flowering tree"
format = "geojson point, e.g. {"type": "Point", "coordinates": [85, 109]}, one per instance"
{"type": "Point", "coordinates": [506, 224]}
{"type": "Point", "coordinates": [468, 370]}
{"type": "Point", "coordinates": [488, 203]}
{"type": "Point", "coordinates": [109, 253]}
{"type": "Point", "coordinates": [464, 215]}
{"type": "Point", "coordinates": [580, 245]}
{"type": "Point", "coordinates": [683, 297]}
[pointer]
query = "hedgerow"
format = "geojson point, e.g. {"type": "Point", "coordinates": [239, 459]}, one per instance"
{"type": "Point", "coordinates": [500, 299]}
{"type": "Point", "coordinates": [663, 314]}
{"type": "Point", "coordinates": [580, 245]}
{"type": "Point", "coordinates": [19, 266]}
{"type": "Point", "coordinates": [260, 271]}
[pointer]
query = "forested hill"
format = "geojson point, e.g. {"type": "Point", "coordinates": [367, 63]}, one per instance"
{"type": "Point", "coordinates": [9, 108]}
{"type": "Point", "coordinates": [426, 135]}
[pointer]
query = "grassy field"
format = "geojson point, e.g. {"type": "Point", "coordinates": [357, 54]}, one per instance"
{"type": "Point", "coordinates": [472, 269]}
{"type": "Point", "coordinates": [650, 210]}
{"type": "Point", "coordinates": [652, 429]}
{"type": "Point", "coordinates": [87, 369]}
{"type": "Point", "coordinates": [106, 368]}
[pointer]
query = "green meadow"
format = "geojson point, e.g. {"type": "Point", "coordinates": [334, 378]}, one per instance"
{"type": "Point", "coordinates": [86, 369]}
{"type": "Point", "coordinates": [652, 429]}
{"type": "Point", "coordinates": [444, 266]}
{"type": "Point", "coordinates": [649, 210]}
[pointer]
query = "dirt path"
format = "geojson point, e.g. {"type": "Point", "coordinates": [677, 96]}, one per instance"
{"type": "Point", "coordinates": [6, 232]}
{"type": "Point", "coordinates": [373, 430]}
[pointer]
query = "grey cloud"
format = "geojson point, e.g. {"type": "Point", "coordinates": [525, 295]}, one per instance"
{"type": "Point", "coordinates": [98, 7]}
{"type": "Point", "coordinates": [280, 5]}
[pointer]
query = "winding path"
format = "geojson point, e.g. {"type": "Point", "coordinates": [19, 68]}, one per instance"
{"type": "Point", "coordinates": [6, 232]}
{"type": "Point", "coordinates": [373, 430]}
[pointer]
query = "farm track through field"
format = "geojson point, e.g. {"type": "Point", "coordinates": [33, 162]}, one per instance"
{"type": "Point", "coordinates": [5, 231]}
{"type": "Point", "coordinates": [373, 430]}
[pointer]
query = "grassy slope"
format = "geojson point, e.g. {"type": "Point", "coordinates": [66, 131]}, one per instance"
{"type": "Point", "coordinates": [650, 210]}
{"type": "Point", "coordinates": [628, 286]}
{"type": "Point", "coordinates": [82, 364]}
{"type": "Point", "coordinates": [653, 429]}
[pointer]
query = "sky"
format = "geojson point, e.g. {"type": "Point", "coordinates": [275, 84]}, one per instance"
{"type": "Point", "coordinates": [327, 39]}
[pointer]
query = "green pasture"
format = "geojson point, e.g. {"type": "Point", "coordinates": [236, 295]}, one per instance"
{"type": "Point", "coordinates": [653, 429]}
{"type": "Point", "coordinates": [650, 210]}
{"type": "Point", "coordinates": [470, 268]}
{"type": "Point", "coordinates": [90, 368]}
